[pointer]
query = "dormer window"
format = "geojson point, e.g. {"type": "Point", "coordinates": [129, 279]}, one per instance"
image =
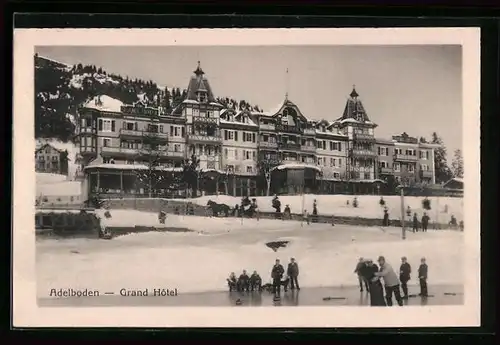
{"type": "Point", "coordinates": [202, 97]}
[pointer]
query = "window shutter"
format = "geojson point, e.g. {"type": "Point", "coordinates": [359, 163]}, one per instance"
{"type": "Point", "coordinates": [113, 125]}
{"type": "Point", "coordinates": [225, 134]}
{"type": "Point", "coordinates": [244, 136]}
{"type": "Point", "coordinates": [427, 154]}
{"type": "Point", "coordinates": [340, 146]}
{"type": "Point", "coordinates": [253, 137]}
{"type": "Point", "coordinates": [171, 130]}
{"type": "Point", "coordinates": [183, 132]}
{"type": "Point", "coordinates": [100, 124]}
{"type": "Point", "coordinates": [161, 129]}
{"type": "Point", "coordinates": [235, 135]}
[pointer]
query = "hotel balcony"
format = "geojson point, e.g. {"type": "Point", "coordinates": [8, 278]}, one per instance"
{"type": "Point", "coordinates": [405, 158]}
{"type": "Point", "coordinates": [308, 148]}
{"type": "Point", "coordinates": [267, 127]}
{"type": "Point", "coordinates": [88, 150]}
{"type": "Point", "coordinates": [268, 144]}
{"type": "Point", "coordinates": [119, 151]}
{"type": "Point", "coordinates": [201, 138]}
{"type": "Point", "coordinates": [290, 146]}
{"type": "Point", "coordinates": [363, 153]}
{"type": "Point", "coordinates": [309, 131]}
{"type": "Point", "coordinates": [88, 130]}
{"type": "Point", "coordinates": [207, 120]}
{"type": "Point", "coordinates": [288, 129]}
{"type": "Point", "coordinates": [386, 171]}
{"type": "Point", "coordinates": [364, 137]}
{"type": "Point", "coordinates": [427, 174]}
{"type": "Point", "coordinates": [133, 134]}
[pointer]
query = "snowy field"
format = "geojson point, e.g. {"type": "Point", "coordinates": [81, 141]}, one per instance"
{"type": "Point", "coordinates": [201, 260]}
{"type": "Point", "coordinates": [368, 205]}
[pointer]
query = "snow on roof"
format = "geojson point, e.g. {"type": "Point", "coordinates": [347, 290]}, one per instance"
{"type": "Point", "coordinates": [59, 145]}
{"type": "Point", "coordinates": [331, 133]}
{"type": "Point", "coordinates": [273, 111]}
{"type": "Point", "coordinates": [250, 123]}
{"type": "Point", "coordinates": [130, 167]}
{"type": "Point", "coordinates": [296, 166]}
{"type": "Point", "coordinates": [190, 101]}
{"type": "Point", "coordinates": [66, 188]}
{"type": "Point", "coordinates": [54, 61]}
{"type": "Point", "coordinates": [106, 104]}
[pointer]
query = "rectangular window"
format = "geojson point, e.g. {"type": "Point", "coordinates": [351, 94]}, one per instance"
{"type": "Point", "coordinates": [340, 162]}
{"type": "Point", "coordinates": [236, 153]}
{"type": "Point", "coordinates": [336, 175]}
{"type": "Point", "coordinates": [235, 135]}
{"type": "Point", "coordinates": [411, 168]}
{"type": "Point", "coordinates": [106, 142]}
{"type": "Point", "coordinates": [249, 169]}
{"type": "Point", "coordinates": [177, 148]}
{"type": "Point", "coordinates": [254, 137]}
{"type": "Point", "coordinates": [248, 155]}
{"type": "Point", "coordinates": [254, 155]}
{"type": "Point", "coordinates": [367, 176]}
{"type": "Point", "coordinates": [397, 167]}
{"type": "Point", "coordinates": [225, 153]}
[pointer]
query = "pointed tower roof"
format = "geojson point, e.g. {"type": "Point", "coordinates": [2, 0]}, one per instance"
{"type": "Point", "coordinates": [354, 109]}
{"type": "Point", "coordinates": [199, 83]}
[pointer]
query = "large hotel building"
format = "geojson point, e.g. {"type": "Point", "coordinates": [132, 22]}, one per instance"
{"type": "Point", "coordinates": [235, 146]}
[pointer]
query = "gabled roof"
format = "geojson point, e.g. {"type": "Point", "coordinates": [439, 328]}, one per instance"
{"type": "Point", "coordinates": [199, 82]}
{"type": "Point", "coordinates": [354, 108]}
{"type": "Point", "coordinates": [39, 148]}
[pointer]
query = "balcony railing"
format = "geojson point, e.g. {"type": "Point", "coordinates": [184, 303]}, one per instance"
{"type": "Point", "coordinates": [308, 148]}
{"type": "Point", "coordinates": [137, 133]}
{"type": "Point", "coordinates": [204, 138]}
{"type": "Point", "coordinates": [268, 144]}
{"type": "Point", "coordinates": [289, 146]}
{"type": "Point", "coordinates": [386, 171]}
{"type": "Point", "coordinates": [364, 137]}
{"type": "Point", "coordinates": [203, 119]}
{"type": "Point", "coordinates": [363, 153]}
{"type": "Point", "coordinates": [405, 158]}
{"type": "Point", "coordinates": [85, 130]}
{"type": "Point", "coordinates": [427, 173]}
{"type": "Point", "coordinates": [120, 150]}
{"type": "Point", "coordinates": [309, 131]}
{"type": "Point", "coordinates": [175, 154]}
{"type": "Point", "coordinates": [288, 129]}
{"type": "Point", "coordinates": [267, 127]}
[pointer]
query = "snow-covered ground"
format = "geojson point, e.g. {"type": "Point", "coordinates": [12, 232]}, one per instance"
{"type": "Point", "coordinates": [368, 205]}
{"type": "Point", "coordinates": [201, 260]}
{"type": "Point", "coordinates": [48, 178]}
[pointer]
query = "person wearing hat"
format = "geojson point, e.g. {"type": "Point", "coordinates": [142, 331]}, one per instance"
{"type": "Point", "coordinates": [293, 272]}
{"type": "Point", "coordinates": [404, 276]}
{"type": "Point", "coordinates": [361, 277]}
{"type": "Point", "coordinates": [422, 276]}
{"type": "Point", "coordinates": [375, 286]}
{"type": "Point", "coordinates": [391, 281]}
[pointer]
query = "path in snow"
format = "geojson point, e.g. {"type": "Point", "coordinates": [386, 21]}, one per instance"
{"type": "Point", "coordinates": [194, 262]}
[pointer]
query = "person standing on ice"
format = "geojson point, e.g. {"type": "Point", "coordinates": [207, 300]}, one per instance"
{"type": "Point", "coordinates": [391, 281]}
{"type": "Point", "coordinates": [415, 222]}
{"type": "Point", "coordinates": [293, 273]}
{"type": "Point", "coordinates": [425, 222]}
{"type": "Point", "coordinates": [422, 276]}
{"type": "Point", "coordinates": [276, 274]}
{"type": "Point", "coordinates": [376, 289]}
{"type": "Point", "coordinates": [276, 203]}
{"type": "Point", "coordinates": [404, 276]}
{"type": "Point", "coordinates": [361, 277]}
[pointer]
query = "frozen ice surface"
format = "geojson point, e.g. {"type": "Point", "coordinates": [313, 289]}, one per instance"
{"type": "Point", "coordinates": [201, 260]}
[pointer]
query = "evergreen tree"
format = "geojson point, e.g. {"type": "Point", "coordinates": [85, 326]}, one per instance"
{"type": "Point", "coordinates": [457, 164]}
{"type": "Point", "coordinates": [166, 99]}
{"type": "Point", "coordinates": [443, 172]}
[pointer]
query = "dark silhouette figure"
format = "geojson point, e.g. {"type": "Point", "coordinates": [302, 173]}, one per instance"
{"type": "Point", "coordinates": [415, 223]}
{"type": "Point", "coordinates": [425, 222]}
{"type": "Point", "coordinates": [276, 274]}
{"type": "Point", "coordinates": [368, 271]}
{"type": "Point", "coordinates": [293, 274]}
{"type": "Point", "coordinates": [361, 277]}
{"type": "Point", "coordinates": [422, 277]}
{"type": "Point", "coordinates": [404, 275]}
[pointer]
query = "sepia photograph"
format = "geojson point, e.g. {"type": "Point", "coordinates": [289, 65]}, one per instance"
{"type": "Point", "coordinates": [272, 177]}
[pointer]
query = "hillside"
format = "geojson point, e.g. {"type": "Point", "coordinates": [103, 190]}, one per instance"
{"type": "Point", "coordinates": [60, 89]}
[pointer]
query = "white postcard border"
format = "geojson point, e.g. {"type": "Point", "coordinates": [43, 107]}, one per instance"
{"type": "Point", "coordinates": [26, 313]}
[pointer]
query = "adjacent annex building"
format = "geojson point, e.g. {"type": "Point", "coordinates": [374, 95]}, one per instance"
{"type": "Point", "coordinates": [241, 152]}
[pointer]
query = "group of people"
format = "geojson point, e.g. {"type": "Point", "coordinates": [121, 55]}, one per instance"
{"type": "Point", "coordinates": [371, 277]}
{"type": "Point", "coordinates": [278, 277]}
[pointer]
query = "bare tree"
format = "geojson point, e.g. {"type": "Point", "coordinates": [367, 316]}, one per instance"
{"type": "Point", "coordinates": [150, 154]}
{"type": "Point", "coordinates": [265, 168]}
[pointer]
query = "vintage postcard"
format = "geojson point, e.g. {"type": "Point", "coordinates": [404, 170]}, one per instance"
{"type": "Point", "coordinates": [246, 178]}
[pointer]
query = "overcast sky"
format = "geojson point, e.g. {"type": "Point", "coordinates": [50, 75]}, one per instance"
{"type": "Point", "coordinates": [413, 89]}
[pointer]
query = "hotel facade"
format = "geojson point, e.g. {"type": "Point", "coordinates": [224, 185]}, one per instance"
{"type": "Point", "coordinates": [236, 148]}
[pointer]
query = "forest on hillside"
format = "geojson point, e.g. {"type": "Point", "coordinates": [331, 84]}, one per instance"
{"type": "Point", "coordinates": [61, 89]}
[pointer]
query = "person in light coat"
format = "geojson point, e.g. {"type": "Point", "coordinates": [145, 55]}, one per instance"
{"type": "Point", "coordinates": [391, 282]}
